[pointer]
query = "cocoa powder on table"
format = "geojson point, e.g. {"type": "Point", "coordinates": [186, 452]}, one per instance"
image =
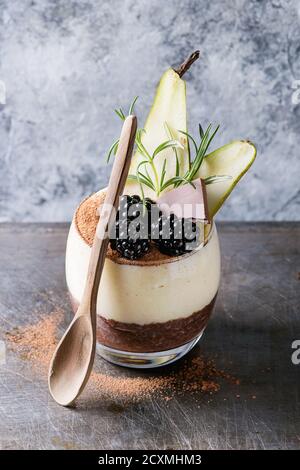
{"type": "Point", "coordinates": [36, 343]}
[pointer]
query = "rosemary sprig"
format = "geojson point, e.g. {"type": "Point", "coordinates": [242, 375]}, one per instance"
{"type": "Point", "coordinates": [157, 182]}
{"type": "Point", "coordinates": [143, 177]}
{"type": "Point", "coordinates": [119, 112]}
{"type": "Point", "coordinates": [200, 151]}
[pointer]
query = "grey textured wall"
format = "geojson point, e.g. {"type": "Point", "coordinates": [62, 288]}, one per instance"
{"type": "Point", "coordinates": [67, 63]}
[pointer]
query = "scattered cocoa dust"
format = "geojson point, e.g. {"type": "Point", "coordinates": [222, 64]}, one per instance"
{"type": "Point", "coordinates": [37, 342]}
{"type": "Point", "coordinates": [190, 376]}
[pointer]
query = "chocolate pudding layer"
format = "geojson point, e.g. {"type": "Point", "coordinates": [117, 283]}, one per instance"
{"type": "Point", "coordinates": [152, 337]}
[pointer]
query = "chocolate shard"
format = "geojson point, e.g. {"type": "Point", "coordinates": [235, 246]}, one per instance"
{"type": "Point", "coordinates": [186, 201]}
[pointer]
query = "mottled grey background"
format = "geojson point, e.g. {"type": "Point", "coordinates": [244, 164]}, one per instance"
{"type": "Point", "coordinates": [66, 65]}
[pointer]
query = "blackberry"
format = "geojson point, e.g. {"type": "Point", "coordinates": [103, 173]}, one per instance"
{"type": "Point", "coordinates": [177, 236]}
{"type": "Point", "coordinates": [132, 249]}
{"type": "Point", "coordinates": [130, 235]}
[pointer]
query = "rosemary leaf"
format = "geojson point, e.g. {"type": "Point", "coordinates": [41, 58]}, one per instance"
{"type": "Point", "coordinates": [140, 145]}
{"type": "Point", "coordinates": [166, 145]}
{"type": "Point", "coordinates": [131, 109]}
{"type": "Point", "coordinates": [212, 136]}
{"type": "Point", "coordinates": [190, 138]}
{"type": "Point", "coordinates": [201, 132]}
{"type": "Point", "coordinates": [113, 149]}
{"type": "Point", "coordinates": [147, 178]}
{"type": "Point", "coordinates": [163, 173]}
{"type": "Point", "coordinates": [145, 182]}
{"type": "Point", "coordinates": [176, 179]}
{"type": "Point", "coordinates": [216, 179]}
{"type": "Point", "coordinates": [147, 173]}
{"type": "Point", "coordinates": [120, 113]}
{"type": "Point", "coordinates": [140, 175]}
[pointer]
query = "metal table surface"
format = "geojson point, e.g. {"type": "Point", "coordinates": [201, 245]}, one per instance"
{"type": "Point", "coordinates": [257, 317]}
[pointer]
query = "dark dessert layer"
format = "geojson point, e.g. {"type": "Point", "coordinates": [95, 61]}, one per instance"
{"type": "Point", "coordinates": [154, 336]}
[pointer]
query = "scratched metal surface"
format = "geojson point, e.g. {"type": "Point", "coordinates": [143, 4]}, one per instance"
{"type": "Point", "coordinates": [256, 319]}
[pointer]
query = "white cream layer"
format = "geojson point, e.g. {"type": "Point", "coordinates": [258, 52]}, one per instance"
{"type": "Point", "coordinates": [147, 294]}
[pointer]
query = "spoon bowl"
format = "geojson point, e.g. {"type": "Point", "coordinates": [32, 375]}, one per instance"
{"type": "Point", "coordinates": [67, 377]}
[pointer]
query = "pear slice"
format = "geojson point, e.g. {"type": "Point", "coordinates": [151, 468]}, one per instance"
{"type": "Point", "coordinates": [168, 113]}
{"type": "Point", "coordinates": [233, 160]}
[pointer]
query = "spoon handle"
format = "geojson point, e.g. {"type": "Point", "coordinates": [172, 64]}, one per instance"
{"type": "Point", "coordinates": [107, 217]}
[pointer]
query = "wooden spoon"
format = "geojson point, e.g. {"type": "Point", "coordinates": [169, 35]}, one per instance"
{"type": "Point", "coordinates": [73, 358]}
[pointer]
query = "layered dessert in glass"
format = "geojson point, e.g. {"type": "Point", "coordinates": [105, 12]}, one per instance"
{"type": "Point", "coordinates": [157, 291]}
{"type": "Point", "coordinates": [154, 304]}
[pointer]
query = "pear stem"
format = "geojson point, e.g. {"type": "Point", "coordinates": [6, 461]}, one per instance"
{"type": "Point", "coordinates": [187, 63]}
